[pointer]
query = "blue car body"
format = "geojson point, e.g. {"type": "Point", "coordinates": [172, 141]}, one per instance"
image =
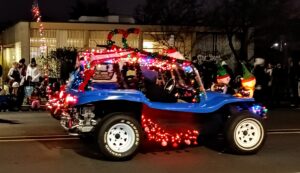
{"type": "Point", "coordinates": [210, 102]}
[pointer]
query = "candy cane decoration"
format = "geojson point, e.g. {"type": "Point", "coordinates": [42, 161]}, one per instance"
{"type": "Point", "coordinates": [125, 35]}
{"type": "Point", "coordinates": [110, 42]}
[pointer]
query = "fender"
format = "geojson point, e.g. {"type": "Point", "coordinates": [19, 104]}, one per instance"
{"type": "Point", "coordinates": [209, 103]}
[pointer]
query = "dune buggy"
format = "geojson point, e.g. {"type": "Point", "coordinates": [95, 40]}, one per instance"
{"type": "Point", "coordinates": [123, 96]}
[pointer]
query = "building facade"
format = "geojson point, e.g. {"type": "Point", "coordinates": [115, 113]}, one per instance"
{"type": "Point", "coordinates": [23, 40]}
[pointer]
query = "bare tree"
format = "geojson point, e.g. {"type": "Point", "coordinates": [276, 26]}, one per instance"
{"type": "Point", "coordinates": [177, 18]}
{"type": "Point", "coordinates": [242, 19]}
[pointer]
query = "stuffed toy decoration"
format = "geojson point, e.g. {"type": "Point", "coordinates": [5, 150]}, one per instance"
{"type": "Point", "coordinates": [248, 82]}
{"type": "Point", "coordinates": [223, 80]}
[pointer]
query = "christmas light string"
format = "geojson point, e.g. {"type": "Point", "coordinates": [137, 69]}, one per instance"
{"type": "Point", "coordinates": [38, 18]}
{"type": "Point", "coordinates": [133, 56]}
{"type": "Point", "coordinates": [43, 47]}
{"type": "Point", "coordinates": [155, 133]}
{"type": "Point", "coordinates": [115, 54]}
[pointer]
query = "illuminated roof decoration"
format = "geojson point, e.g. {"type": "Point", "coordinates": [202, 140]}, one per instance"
{"type": "Point", "coordinates": [114, 53]}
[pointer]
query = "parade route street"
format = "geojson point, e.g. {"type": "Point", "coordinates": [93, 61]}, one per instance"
{"type": "Point", "coordinates": [35, 142]}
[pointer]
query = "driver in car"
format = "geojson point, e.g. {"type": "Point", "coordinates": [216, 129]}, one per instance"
{"type": "Point", "coordinates": [154, 86]}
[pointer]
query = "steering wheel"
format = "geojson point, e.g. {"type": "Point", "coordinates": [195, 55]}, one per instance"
{"type": "Point", "coordinates": [169, 86]}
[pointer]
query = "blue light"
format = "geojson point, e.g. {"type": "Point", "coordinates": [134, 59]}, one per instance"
{"type": "Point", "coordinates": [188, 69]}
{"type": "Point", "coordinates": [109, 61]}
{"type": "Point", "coordinates": [258, 110]}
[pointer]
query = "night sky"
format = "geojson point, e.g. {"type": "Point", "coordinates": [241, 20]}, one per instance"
{"type": "Point", "coordinates": [12, 11]}
{"type": "Point", "coordinates": [59, 10]}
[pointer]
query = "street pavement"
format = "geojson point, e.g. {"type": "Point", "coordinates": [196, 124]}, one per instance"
{"type": "Point", "coordinates": [34, 142]}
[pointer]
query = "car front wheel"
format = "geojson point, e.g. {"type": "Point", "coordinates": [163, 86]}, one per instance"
{"type": "Point", "coordinates": [245, 133]}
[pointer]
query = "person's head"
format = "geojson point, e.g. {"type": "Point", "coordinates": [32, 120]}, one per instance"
{"type": "Point", "coordinates": [22, 61]}
{"type": "Point", "coordinates": [29, 78]}
{"type": "Point", "coordinates": [33, 62]}
{"type": "Point", "coordinates": [15, 65]}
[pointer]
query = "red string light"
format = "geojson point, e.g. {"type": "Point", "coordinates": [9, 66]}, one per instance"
{"type": "Point", "coordinates": [38, 18]}
{"type": "Point", "coordinates": [155, 133]}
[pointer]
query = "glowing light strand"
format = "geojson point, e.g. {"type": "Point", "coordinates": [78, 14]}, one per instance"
{"type": "Point", "coordinates": [155, 133]}
{"type": "Point", "coordinates": [38, 18]}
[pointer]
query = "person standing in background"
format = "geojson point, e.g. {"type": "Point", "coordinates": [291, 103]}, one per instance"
{"type": "Point", "coordinates": [269, 87]}
{"type": "Point", "coordinates": [261, 80]}
{"type": "Point", "coordinates": [33, 73]}
{"type": "Point", "coordinates": [278, 81]}
{"type": "Point", "coordinates": [14, 76]}
{"type": "Point", "coordinates": [292, 82]}
{"type": "Point", "coordinates": [22, 69]}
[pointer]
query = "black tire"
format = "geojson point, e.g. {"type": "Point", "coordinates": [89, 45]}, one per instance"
{"type": "Point", "coordinates": [130, 135]}
{"type": "Point", "coordinates": [245, 133]}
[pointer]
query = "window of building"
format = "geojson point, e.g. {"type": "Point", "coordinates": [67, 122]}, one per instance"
{"type": "Point", "coordinates": [36, 42]}
{"type": "Point", "coordinates": [97, 38]}
{"type": "Point", "coordinates": [153, 42]}
{"type": "Point", "coordinates": [75, 39]}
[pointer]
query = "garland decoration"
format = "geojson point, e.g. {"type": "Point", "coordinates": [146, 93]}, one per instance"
{"type": "Point", "coordinates": [36, 13]}
{"type": "Point", "coordinates": [110, 42]}
{"type": "Point", "coordinates": [125, 35]}
{"type": "Point", "coordinates": [155, 133]}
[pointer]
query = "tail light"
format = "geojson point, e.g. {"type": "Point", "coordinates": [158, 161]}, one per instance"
{"type": "Point", "coordinates": [71, 100]}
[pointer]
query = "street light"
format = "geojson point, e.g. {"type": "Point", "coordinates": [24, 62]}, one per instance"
{"type": "Point", "coordinates": [279, 45]}
{"type": "Point", "coordinates": [275, 45]}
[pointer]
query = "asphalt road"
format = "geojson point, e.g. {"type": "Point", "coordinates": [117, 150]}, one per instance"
{"type": "Point", "coordinates": [34, 142]}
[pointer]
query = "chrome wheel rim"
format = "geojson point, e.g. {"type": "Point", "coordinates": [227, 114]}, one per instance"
{"type": "Point", "coordinates": [248, 134]}
{"type": "Point", "coordinates": [120, 137]}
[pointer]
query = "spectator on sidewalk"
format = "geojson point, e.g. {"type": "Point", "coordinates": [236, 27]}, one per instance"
{"type": "Point", "coordinates": [33, 73]}
{"type": "Point", "coordinates": [4, 90]}
{"type": "Point", "coordinates": [22, 69]}
{"type": "Point", "coordinates": [269, 87]}
{"type": "Point", "coordinates": [277, 85]}
{"type": "Point", "coordinates": [14, 76]}
{"type": "Point", "coordinates": [261, 80]}
{"type": "Point", "coordinates": [292, 83]}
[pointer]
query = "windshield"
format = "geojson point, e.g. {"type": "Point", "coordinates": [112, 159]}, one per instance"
{"type": "Point", "coordinates": [123, 73]}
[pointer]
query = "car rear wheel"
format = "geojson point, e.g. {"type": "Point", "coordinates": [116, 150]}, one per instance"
{"type": "Point", "coordinates": [245, 134]}
{"type": "Point", "coordinates": [119, 136]}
